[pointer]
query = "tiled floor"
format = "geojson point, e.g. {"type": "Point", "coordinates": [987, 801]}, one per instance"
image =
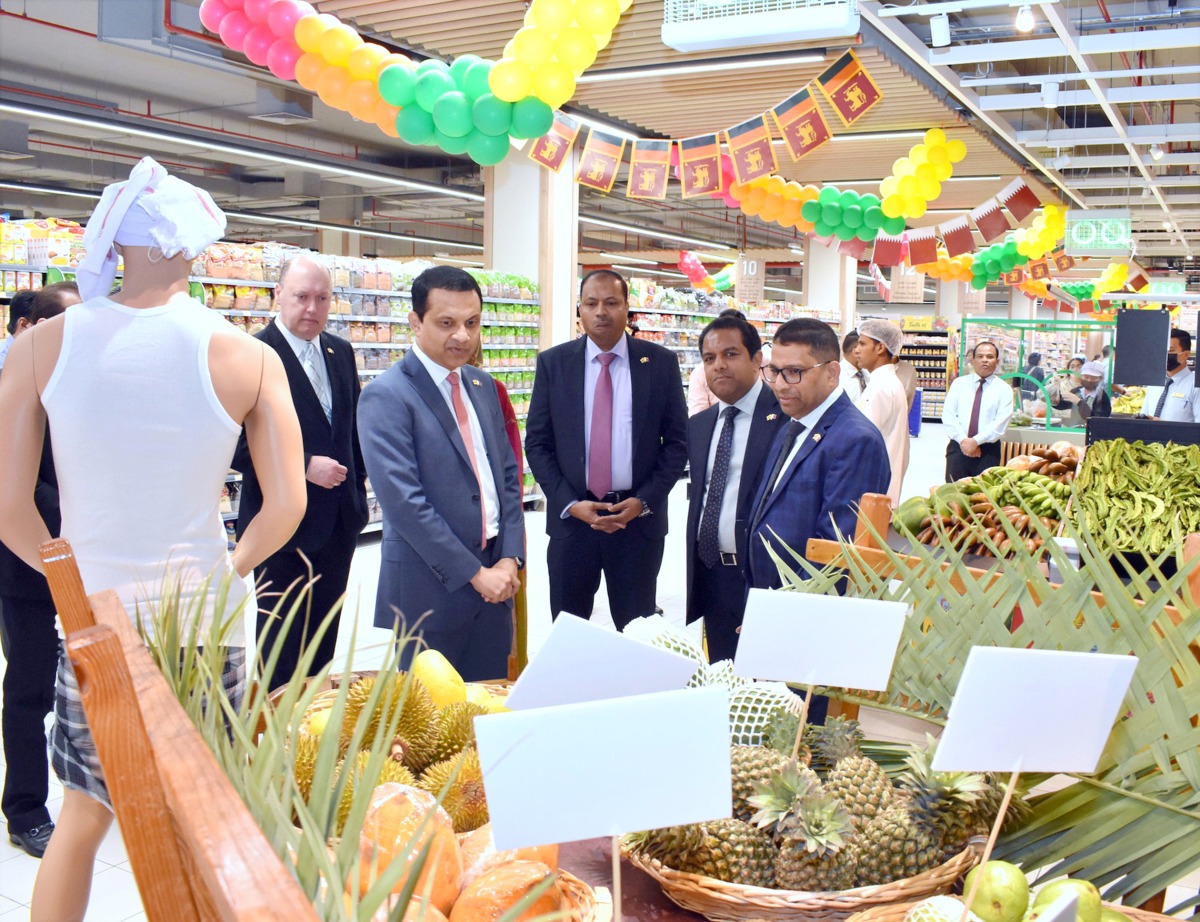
{"type": "Point", "coordinates": [114, 892]}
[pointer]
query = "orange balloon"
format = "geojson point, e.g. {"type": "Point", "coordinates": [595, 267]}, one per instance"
{"type": "Point", "coordinates": [332, 87]}
{"type": "Point", "coordinates": [361, 97]}
{"type": "Point", "coordinates": [776, 184]}
{"type": "Point", "coordinates": [363, 63]}
{"type": "Point", "coordinates": [790, 212]}
{"type": "Point", "coordinates": [390, 60]}
{"type": "Point", "coordinates": [810, 194]}
{"type": "Point", "coordinates": [385, 118]}
{"type": "Point", "coordinates": [756, 198]}
{"type": "Point", "coordinates": [793, 191]}
{"type": "Point", "coordinates": [309, 68]}
{"type": "Point", "coordinates": [737, 191]}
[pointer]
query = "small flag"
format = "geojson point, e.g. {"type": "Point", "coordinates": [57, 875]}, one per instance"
{"type": "Point", "coordinates": [1019, 199]}
{"type": "Point", "coordinates": [1038, 270]}
{"type": "Point", "coordinates": [849, 88]}
{"type": "Point", "coordinates": [887, 250]}
{"type": "Point", "coordinates": [990, 220]}
{"type": "Point", "coordinates": [700, 161]}
{"type": "Point", "coordinates": [882, 286]}
{"type": "Point", "coordinates": [854, 247]}
{"type": "Point", "coordinates": [1063, 262]}
{"type": "Point", "coordinates": [600, 161]}
{"type": "Point", "coordinates": [551, 149]}
{"type": "Point", "coordinates": [649, 170]}
{"type": "Point", "coordinates": [750, 149]}
{"type": "Point", "coordinates": [956, 235]}
{"type": "Point", "coordinates": [922, 246]}
{"type": "Point", "coordinates": [801, 123]}
{"type": "Point", "coordinates": [1013, 278]}
{"type": "Point", "coordinates": [1139, 282]}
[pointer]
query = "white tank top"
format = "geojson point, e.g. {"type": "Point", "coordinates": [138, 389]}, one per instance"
{"type": "Point", "coordinates": [142, 446]}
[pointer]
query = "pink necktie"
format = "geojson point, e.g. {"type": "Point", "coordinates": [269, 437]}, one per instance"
{"type": "Point", "coordinates": [464, 429]}
{"type": "Point", "coordinates": [600, 443]}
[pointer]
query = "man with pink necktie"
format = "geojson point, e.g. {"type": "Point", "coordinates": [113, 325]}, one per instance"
{"type": "Point", "coordinates": [976, 414]}
{"type": "Point", "coordinates": [607, 440]}
{"type": "Point", "coordinates": [438, 456]}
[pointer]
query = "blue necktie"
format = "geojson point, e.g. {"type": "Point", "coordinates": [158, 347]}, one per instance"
{"type": "Point", "coordinates": [709, 541]}
{"type": "Point", "coordinates": [790, 433]}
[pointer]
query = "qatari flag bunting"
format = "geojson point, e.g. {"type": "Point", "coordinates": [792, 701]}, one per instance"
{"type": "Point", "coordinates": [922, 246]}
{"type": "Point", "coordinates": [853, 248]}
{"type": "Point", "coordinates": [990, 220]}
{"type": "Point", "coordinates": [1019, 199]}
{"type": "Point", "coordinates": [1139, 282]}
{"type": "Point", "coordinates": [957, 237]}
{"type": "Point", "coordinates": [887, 251]}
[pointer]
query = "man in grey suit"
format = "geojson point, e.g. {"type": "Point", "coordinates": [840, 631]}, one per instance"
{"type": "Point", "coordinates": [440, 463]}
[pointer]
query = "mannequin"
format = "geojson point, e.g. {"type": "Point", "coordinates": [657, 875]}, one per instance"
{"type": "Point", "coordinates": [249, 382]}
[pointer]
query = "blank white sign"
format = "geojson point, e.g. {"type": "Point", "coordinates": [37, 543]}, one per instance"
{"type": "Point", "coordinates": [1041, 710]}
{"type": "Point", "coordinates": [604, 768]}
{"type": "Point", "coordinates": [819, 639]}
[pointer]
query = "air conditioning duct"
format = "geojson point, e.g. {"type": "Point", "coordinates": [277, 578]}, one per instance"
{"type": "Point", "coordinates": [709, 25]}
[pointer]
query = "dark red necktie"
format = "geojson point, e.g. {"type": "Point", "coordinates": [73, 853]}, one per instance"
{"type": "Point", "coordinates": [973, 427]}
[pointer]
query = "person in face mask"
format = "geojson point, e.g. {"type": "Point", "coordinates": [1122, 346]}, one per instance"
{"type": "Point", "coordinates": [1177, 399]}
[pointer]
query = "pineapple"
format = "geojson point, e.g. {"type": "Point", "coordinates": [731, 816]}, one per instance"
{"type": "Point", "coordinates": [812, 845]}
{"type": "Point", "coordinates": [954, 798]}
{"type": "Point", "coordinates": [773, 798]}
{"type": "Point", "coordinates": [728, 850]}
{"type": "Point", "coordinates": [858, 781]}
{"type": "Point", "coordinates": [751, 766]}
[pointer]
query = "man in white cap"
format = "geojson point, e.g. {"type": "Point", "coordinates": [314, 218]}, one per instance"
{"type": "Point", "coordinates": [1090, 398]}
{"type": "Point", "coordinates": [146, 393]}
{"type": "Point", "coordinates": [884, 401]}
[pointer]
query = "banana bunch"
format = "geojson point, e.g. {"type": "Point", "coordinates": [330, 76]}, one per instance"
{"type": "Point", "coordinates": [1141, 497]}
{"type": "Point", "coordinates": [1130, 402]}
{"type": "Point", "coordinates": [1036, 494]}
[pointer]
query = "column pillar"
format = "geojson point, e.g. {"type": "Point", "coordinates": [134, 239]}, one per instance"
{"type": "Point", "coordinates": [949, 302]}
{"type": "Point", "coordinates": [540, 242]}
{"type": "Point", "coordinates": [831, 282]}
{"type": "Point", "coordinates": [1020, 306]}
{"type": "Point", "coordinates": [337, 208]}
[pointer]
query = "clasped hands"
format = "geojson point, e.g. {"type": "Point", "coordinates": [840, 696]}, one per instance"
{"type": "Point", "coordinates": [499, 583]}
{"type": "Point", "coordinates": [607, 517]}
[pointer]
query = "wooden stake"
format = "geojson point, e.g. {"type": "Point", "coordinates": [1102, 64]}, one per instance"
{"type": "Point", "coordinates": [803, 720]}
{"type": "Point", "coordinates": [969, 898]}
{"type": "Point", "coordinates": [616, 878]}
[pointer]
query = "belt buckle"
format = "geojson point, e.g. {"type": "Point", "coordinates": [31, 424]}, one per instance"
{"type": "Point", "coordinates": [729, 560]}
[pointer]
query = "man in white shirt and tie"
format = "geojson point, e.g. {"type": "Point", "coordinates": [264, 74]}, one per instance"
{"type": "Point", "coordinates": [854, 377]}
{"type": "Point", "coordinates": [1177, 400]}
{"type": "Point", "coordinates": [884, 401]}
{"type": "Point", "coordinates": [976, 414]}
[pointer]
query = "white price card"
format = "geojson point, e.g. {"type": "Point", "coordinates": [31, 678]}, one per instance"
{"type": "Point", "coordinates": [1033, 711]}
{"type": "Point", "coordinates": [605, 768]}
{"type": "Point", "coordinates": [582, 662]}
{"type": "Point", "coordinates": [1062, 909]}
{"type": "Point", "coordinates": [819, 639]}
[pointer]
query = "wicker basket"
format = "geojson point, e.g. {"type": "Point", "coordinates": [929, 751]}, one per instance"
{"type": "Point", "coordinates": [726, 902]}
{"type": "Point", "coordinates": [897, 911]}
{"type": "Point", "coordinates": [578, 898]}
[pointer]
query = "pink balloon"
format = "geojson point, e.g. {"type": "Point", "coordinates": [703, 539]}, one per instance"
{"type": "Point", "coordinates": [282, 57]}
{"type": "Point", "coordinates": [257, 45]}
{"type": "Point", "coordinates": [211, 14]}
{"type": "Point", "coordinates": [234, 28]}
{"type": "Point", "coordinates": [257, 10]}
{"type": "Point", "coordinates": [284, 14]}
{"type": "Point", "coordinates": [726, 165]}
{"type": "Point", "coordinates": [729, 200]}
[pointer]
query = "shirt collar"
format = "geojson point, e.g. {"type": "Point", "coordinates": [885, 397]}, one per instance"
{"type": "Point", "coordinates": [885, 370]}
{"type": "Point", "coordinates": [293, 340]}
{"type": "Point", "coordinates": [439, 373]}
{"type": "Point", "coordinates": [1177, 377]}
{"type": "Point", "coordinates": [992, 377]}
{"type": "Point", "coordinates": [621, 349]}
{"type": "Point", "coordinates": [747, 403]}
{"type": "Point", "coordinates": [809, 420]}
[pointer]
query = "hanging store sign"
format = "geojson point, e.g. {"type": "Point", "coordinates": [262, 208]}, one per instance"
{"type": "Point", "coordinates": [1099, 232]}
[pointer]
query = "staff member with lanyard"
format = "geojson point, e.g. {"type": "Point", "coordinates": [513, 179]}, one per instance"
{"type": "Point", "coordinates": [976, 413]}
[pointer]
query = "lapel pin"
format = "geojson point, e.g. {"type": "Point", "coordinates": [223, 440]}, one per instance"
{"type": "Point", "coordinates": [817, 437]}
{"type": "Point", "coordinates": [645, 359]}
{"type": "Point", "coordinates": [329, 350]}
{"type": "Point", "coordinates": [771, 417]}
{"type": "Point", "coordinates": [475, 381]}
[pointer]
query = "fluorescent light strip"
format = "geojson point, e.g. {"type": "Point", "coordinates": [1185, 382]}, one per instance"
{"type": "Point", "coordinates": [875, 182]}
{"type": "Point", "coordinates": [786, 291]}
{"type": "Point", "coordinates": [644, 271]}
{"type": "Point", "coordinates": [279, 159]}
{"type": "Point", "coordinates": [666, 70]}
{"type": "Point", "coordinates": [47, 190]}
{"type": "Point", "coordinates": [613, 257]}
{"type": "Point", "coordinates": [650, 232]}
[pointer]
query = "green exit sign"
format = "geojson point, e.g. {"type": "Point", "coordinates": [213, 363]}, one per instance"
{"type": "Point", "coordinates": [1099, 232]}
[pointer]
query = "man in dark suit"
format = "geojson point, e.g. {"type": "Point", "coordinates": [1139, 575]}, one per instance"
{"type": "Point", "coordinates": [324, 382]}
{"type": "Point", "coordinates": [441, 464]}
{"type": "Point", "coordinates": [727, 444]}
{"type": "Point", "coordinates": [607, 440]}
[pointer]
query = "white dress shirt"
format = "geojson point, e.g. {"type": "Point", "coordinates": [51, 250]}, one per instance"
{"type": "Point", "coordinates": [727, 521]}
{"type": "Point", "coordinates": [622, 421]}
{"type": "Point", "coordinates": [809, 421]}
{"type": "Point", "coordinates": [299, 345]}
{"type": "Point", "coordinates": [851, 383]}
{"type": "Point", "coordinates": [4, 346]}
{"type": "Point", "coordinates": [885, 403]}
{"type": "Point", "coordinates": [994, 412]}
{"type": "Point", "coordinates": [1183, 403]}
{"type": "Point", "coordinates": [441, 377]}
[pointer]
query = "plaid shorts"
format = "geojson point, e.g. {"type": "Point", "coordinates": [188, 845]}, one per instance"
{"type": "Point", "coordinates": [72, 749]}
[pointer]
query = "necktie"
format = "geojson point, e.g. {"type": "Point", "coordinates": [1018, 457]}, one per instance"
{"type": "Point", "coordinates": [310, 359]}
{"type": "Point", "coordinates": [600, 443]}
{"type": "Point", "coordinates": [708, 540]}
{"type": "Point", "coordinates": [1162, 400]}
{"type": "Point", "coordinates": [862, 379]}
{"type": "Point", "coordinates": [790, 433]}
{"type": "Point", "coordinates": [464, 429]}
{"type": "Point", "coordinates": [973, 426]}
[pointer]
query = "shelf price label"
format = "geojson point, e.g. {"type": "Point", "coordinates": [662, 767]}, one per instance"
{"type": "Point", "coordinates": [1099, 232]}
{"type": "Point", "coordinates": [751, 273]}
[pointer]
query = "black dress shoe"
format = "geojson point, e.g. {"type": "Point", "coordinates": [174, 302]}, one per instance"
{"type": "Point", "coordinates": [34, 841]}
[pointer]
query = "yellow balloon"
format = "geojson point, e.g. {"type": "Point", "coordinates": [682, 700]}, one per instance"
{"type": "Point", "coordinates": [1020, 234]}
{"type": "Point", "coordinates": [551, 14]}
{"type": "Point", "coordinates": [888, 187]}
{"type": "Point", "coordinates": [935, 136]}
{"type": "Point", "coordinates": [903, 167]}
{"type": "Point", "coordinates": [776, 185]}
{"type": "Point", "coordinates": [309, 29]}
{"type": "Point", "coordinates": [793, 191]}
{"type": "Point", "coordinates": [602, 39]}
{"type": "Point", "coordinates": [892, 206]}
{"type": "Point", "coordinates": [624, 4]}
{"type": "Point", "coordinates": [914, 207]}
{"type": "Point", "coordinates": [597, 15]}
{"type": "Point", "coordinates": [918, 154]}
{"type": "Point", "coordinates": [576, 49]}
{"type": "Point", "coordinates": [510, 80]}
{"type": "Point", "coordinates": [937, 154]}
{"type": "Point", "coordinates": [908, 186]}
{"type": "Point", "coordinates": [553, 84]}
{"type": "Point", "coordinates": [929, 189]}
{"type": "Point", "coordinates": [926, 171]}
{"type": "Point", "coordinates": [533, 47]}
{"type": "Point", "coordinates": [944, 170]}
{"type": "Point", "coordinates": [364, 61]}
{"type": "Point", "coordinates": [337, 44]}
{"type": "Point", "coordinates": [957, 150]}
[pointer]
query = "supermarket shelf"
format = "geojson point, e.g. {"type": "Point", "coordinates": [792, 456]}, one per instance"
{"type": "Point", "coordinates": [679, 348]}
{"type": "Point", "coordinates": [236, 283]}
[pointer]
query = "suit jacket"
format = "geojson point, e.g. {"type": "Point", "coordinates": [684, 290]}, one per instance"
{"type": "Point", "coordinates": [554, 436]}
{"type": "Point", "coordinates": [763, 428]}
{"type": "Point", "coordinates": [842, 458]}
{"type": "Point", "coordinates": [426, 486]}
{"type": "Point", "coordinates": [18, 580]}
{"type": "Point", "coordinates": [348, 500]}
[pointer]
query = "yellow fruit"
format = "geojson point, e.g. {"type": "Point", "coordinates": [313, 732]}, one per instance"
{"type": "Point", "coordinates": [478, 694]}
{"type": "Point", "coordinates": [443, 681]}
{"type": "Point", "coordinates": [316, 721]}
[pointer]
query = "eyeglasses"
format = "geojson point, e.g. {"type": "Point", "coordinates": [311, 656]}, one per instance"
{"type": "Point", "coordinates": [790, 375]}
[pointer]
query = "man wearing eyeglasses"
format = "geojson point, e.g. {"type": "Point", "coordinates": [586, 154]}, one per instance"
{"type": "Point", "coordinates": [824, 459]}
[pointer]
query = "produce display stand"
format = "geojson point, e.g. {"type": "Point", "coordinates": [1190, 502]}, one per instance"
{"type": "Point", "coordinates": [1132, 429]}
{"type": "Point", "coordinates": [195, 850]}
{"type": "Point", "coordinates": [896, 912]}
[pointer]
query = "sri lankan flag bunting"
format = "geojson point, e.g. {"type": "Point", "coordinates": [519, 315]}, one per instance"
{"type": "Point", "coordinates": [551, 149]}
{"type": "Point", "coordinates": [700, 162]}
{"type": "Point", "coordinates": [750, 149]}
{"type": "Point", "coordinates": [649, 169]}
{"type": "Point", "coordinates": [600, 161]}
{"type": "Point", "coordinates": [849, 88]}
{"type": "Point", "coordinates": [801, 123]}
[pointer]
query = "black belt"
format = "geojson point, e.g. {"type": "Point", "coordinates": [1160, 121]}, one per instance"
{"type": "Point", "coordinates": [615, 496]}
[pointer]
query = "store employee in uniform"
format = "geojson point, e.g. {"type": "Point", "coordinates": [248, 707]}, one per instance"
{"type": "Point", "coordinates": [1177, 401]}
{"type": "Point", "coordinates": [976, 414]}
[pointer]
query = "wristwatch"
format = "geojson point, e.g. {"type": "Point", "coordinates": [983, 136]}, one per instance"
{"type": "Point", "coordinates": [645, 508]}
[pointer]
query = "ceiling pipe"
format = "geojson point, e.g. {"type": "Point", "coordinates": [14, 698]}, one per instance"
{"type": "Point", "coordinates": [1125, 57]}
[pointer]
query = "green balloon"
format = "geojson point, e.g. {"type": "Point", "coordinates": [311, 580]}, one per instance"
{"type": "Point", "coordinates": [1022, 259]}
{"type": "Point", "coordinates": [829, 195]}
{"type": "Point", "coordinates": [811, 211]}
{"type": "Point", "coordinates": [475, 84]}
{"type": "Point", "coordinates": [431, 86]}
{"type": "Point", "coordinates": [452, 115]}
{"type": "Point", "coordinates": [848, 198]}
{"type": "Point", "coordinates": [873, 217]}
{"type": "Point", "coordinates": [993, 268]}
{"type": "Point", "coordinates": [531, 118]}
{"type": "Point", "coordinates": [459, 68]}
{"type": "Point", "coordinates": [842, 232]}
{"type": "Point", "coordinates": [852, 215]}
{"type": "Point", "coordinates": [431, 64]}
{"type": "Point", "coordinates": [487, 150]}
{"type": "Point", "coordinates": [450, 145]}
{"type": "Point", "coordinates": [822, 229]}
{"type": "Point", "coordinates": [978, 282]}
{"type": "Point", "coordinates": [491, 116]}
{"type": "Point", "coordinates": [870, 200]}
{"type": "Point", "coordinates": [893, 226]}
{"type": "Point", "coordinates": [415, 125]}
{"type": "Point", "coordinates": [398, 85]}
{"type": "Point", "coordinates": [831, 214]}
{"type": "Point", "coordinates": [867, 233]}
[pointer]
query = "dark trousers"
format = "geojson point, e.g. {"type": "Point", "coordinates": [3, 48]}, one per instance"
{"type": "Point", "coordinates": [30, 645]}
{"type": "Point", "coordinates": [721, 592]}
{"type": "Point", "coordinates": [959, 465]}
{"type": "Point", "coordinates": [288, 573]}
{"type": "Point", "coordinates": [628, 559]}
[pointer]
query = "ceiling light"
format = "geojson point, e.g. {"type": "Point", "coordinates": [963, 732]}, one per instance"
{"type": "Point", "coordinates": [1156, 152]}
{"type": "Point", "coordinates": [708, 67]}
{"type": "Point", "coordinates": [650, 232]}
{"type": "Point", "coordinates": [1050, 94]}
{"type": "Point", "coordinates": [875, 182]}
{"type": "Point", "coordinates": [613, 257]}
{"type": "Point", "coordinates": [1025, 21]}
{"type": "Point", "coordinates": [1061, 162]}
{"type": "Point", "coordinates": [1166, 225]}
{"type": "Point", "coordinates": [939, 30]}
{"type": "Point", "coordinates": [782, 291]}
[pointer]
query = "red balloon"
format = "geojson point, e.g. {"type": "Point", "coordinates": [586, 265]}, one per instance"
{"type": "Point", "coordinates": [234, 27]}
{"type": "Point", "coordinates": [284, 14]}
{"type": "Point", "coordinates": [257, 45]}
{"type": "Point", "coordinates": [282, 57]}
{"type": "Point", "coordinates": [211, 14]}
{"type": "Point", "coordinates": [256, 10]}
